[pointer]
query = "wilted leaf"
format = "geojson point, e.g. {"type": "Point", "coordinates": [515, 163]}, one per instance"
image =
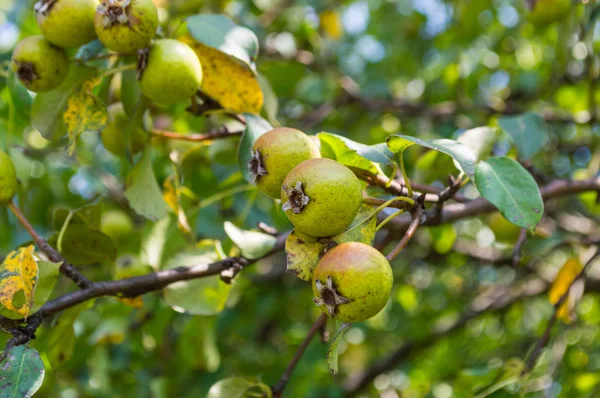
{"type": "Point", "coordinates": [528, 131]}
{"type": "Point", "coordinates": [204, 296]}
{"type": "Point", "coordinates": [143, 191]}
{"type": "Point", "coordinates": [85, 112]}
{"type": "Point", "coordinates": [255, 127]}
{"type": "Point", "coordinates": [459, 152]}
{"type": "Point", "coordinates": [332, 353]}
{"type": "Point", "coordinates": [514, 192]}
{"type": "Point", "coordinates": [22, 373]}
{"type": "Point", "coordinates": [228, 81]}
{"type": "Point", "coordinates": [82, 245]}
{"type": "Point", "coordinates": [18, 278]}
{"type": "Point", "coordinates": [237, 387]}
{"type": "Point", "coordinates": [48, 108]}
{"type": "Point", "coordinates": [220, 32]}
{"type": "Point", "coordinates": [303, 251]}
{"type": "Point", "coordinates": [564, 279]}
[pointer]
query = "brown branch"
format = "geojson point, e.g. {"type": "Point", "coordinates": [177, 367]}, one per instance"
{"type": "Point", "coordinates": [450, 192]}
{"type": "Point", "coordinates": [537, 351]}
{"type": "Point", "coordinates": [282, 383]}
{"type": "Point", "coordinates": [518, 249]}
{"type": "Point", "coordinates": [222, 132]}
{"type": "Point", "coordinates": [66, 268]}
{"type": "Point", "coordinates": [417, 220]}
{"type": "Point", "coordinates": [480, 206]}
{"type": "Point", "coordinates": [495, 299]}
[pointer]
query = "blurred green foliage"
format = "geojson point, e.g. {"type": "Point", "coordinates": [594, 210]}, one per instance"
{"type": "Point", "coordinates": [476, 57]}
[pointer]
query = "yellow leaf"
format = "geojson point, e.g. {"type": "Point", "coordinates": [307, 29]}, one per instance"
{"type": "Point", "coordinates": [85, 112]}
{"type": "Point", "coordinates": [564, 279]}
{"type": "Point", "coordinates": [170, 194]}
{"type": "Point", "coordinates": [228, 81]}
{"type": "Point", "coordinates": [18, 277]}
{"type": "Point", "coordinates": [135, 302]}
{"type": "Point", "coordinates": [331, 24]}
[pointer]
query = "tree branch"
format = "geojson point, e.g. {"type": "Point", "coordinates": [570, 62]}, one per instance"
{"type": "Point", "coordinates": [282, 383]}
{"type": "Point", "coordinates": [66, 268]}
{"type": "Point", "coordinates": [417, 219]}
{"type": "Point", "coordinates": [222, 132]}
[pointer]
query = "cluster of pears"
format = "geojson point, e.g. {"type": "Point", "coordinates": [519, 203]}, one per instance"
{"type": "Point", "coordinates": [169, 71]}
{"type": "Point", "coordinates": [321, 197]}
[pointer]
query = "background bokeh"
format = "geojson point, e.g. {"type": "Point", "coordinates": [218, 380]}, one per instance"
{"type": "Point", "coordinates": [362, 69]}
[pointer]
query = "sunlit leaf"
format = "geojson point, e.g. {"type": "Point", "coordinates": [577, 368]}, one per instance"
{"type": "Point", "coordinates": [204, 296]}
{"type": "Point", "coordinates": [509, 187]}
{"type": "Point", "coordinates": [18, 278]}
{"type": "Point", "coordinates": [480, 141]}
{"type": "Point", "coordinates": [220, 32]}
{"type": "Point", "coordinates": [353, 154]}
{"type": "Point", "coordinates": [237, 387]}
{"type": "Point", "coordinates": [459, 152]}
{"type": "Point", "coordinates": [22, 373]}
{"type": "Point", "coordinates": [252, 244]}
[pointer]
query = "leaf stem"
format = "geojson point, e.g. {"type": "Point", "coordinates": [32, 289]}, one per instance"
{"type": "Point", "coordinates": [117, 70]}
{"type": "Point", "coordinates": [389, 218]}
{"type": "Point", "coordinates": [62, 231]}
{"type": "Point", "coordinates": [405, 175]}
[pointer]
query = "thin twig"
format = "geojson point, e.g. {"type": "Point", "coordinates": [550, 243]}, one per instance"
{"type": "Point", "coordinates": [282, 383]}
{"type": "Point", "coordinates": [518, 249]}
{"type": "Point", "coordinates": [66, 268]}
{"type": "Point", "coordinates": [222, 132]}
{"type": "Point", "coordinates": [537, 351]}
{"type": "Point", "coordinates": [417, 220]}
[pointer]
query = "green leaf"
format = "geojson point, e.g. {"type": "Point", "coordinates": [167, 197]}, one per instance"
{"type": "Point", "coordinates": [153, 242]}
{"type": "Point", "coordinates": [47, 277]}
{"type": "Point", "coordinates": [271, 102]}
{"type": "Point", "coordinates": [513, 369]}
{"type": "Point", "coordinates": [197, 345]}
{"type": "Point", "coordinates": [89, 51]}
{"type": "Point", "coordinates": [459, 152]}
{"type": "Point", "coordinates": [205, 296]}
{"type": "Point", "coordinates": [82, 245]}
{"type": "Point", "coordinates": [220, 32]}
{"type": "Point", "coordinates": [130, 89]}
{"type": "Point", "coordinates": [85, 112]}
{"type": "Point", "coordinates": [353, 154]}
{"type": "Point", "coordinates": [58, 341]}
{"type": "Point", "coordinates": [332, 353]}
{"type": "Point", "coordinates": [303, 251]}
{"type": "Point", "coordinates": [528, 131]}
{"type": "Point", "coordinates": [237, 387]}
{"type": "Point", "coordinates": [514, 192]}
{"type": "Point", "coordinates": [48, 108]}
{"type": "Point", "coordinates": [89, 215]}
{"type": "Point", "coordinates": [252, 244]}
{"type": "Point", "coordinates": [255, 127]}
{"type": "Point", "coordinates": [378, 153]}
{"type": "Point", "coordinates": [20, 103]}
{"type": "Point", "coordinates": [22, 373]}
{"type": "Point", "coordinates": [480, 141]}
{"type": "Point", "coordinates": [443, 237]}
{"type": "Point", "coordinates": [143, 191]}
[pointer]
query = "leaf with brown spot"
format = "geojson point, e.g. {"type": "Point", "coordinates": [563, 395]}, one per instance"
{"type": "Point", "coordinates": [85, 112]}
{"type": "Point", "coordinates": [564, 279]}
{"type": "Point", "coordinates": [228, 81]}
{"type": "Point", "coordinates": [18, 278]}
